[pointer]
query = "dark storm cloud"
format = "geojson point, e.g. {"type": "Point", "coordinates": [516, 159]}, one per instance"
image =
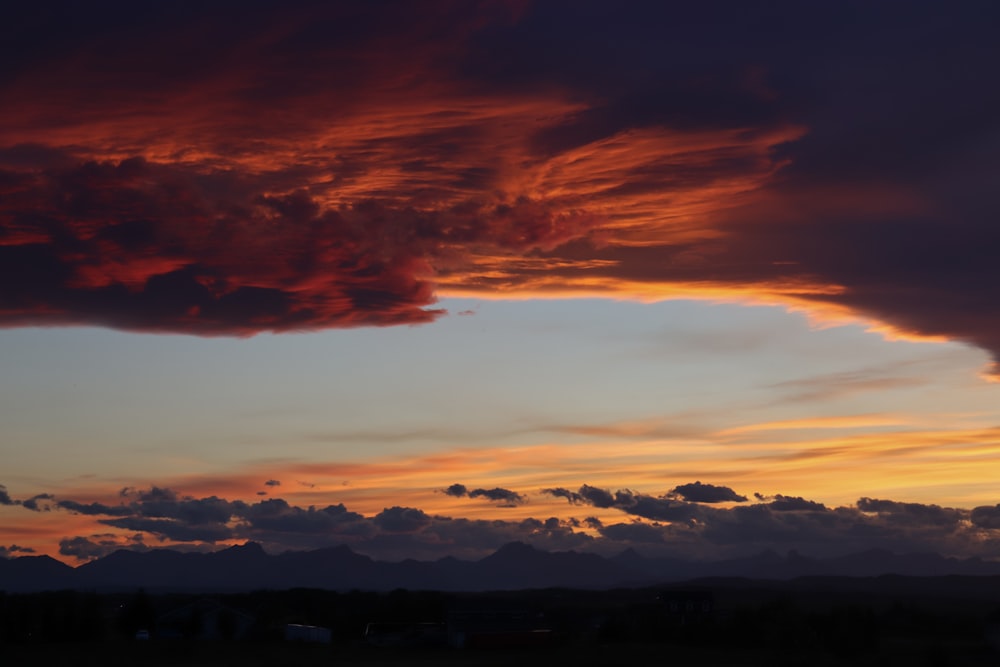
{"type": "Point", "coordinates": [886, 204]}
{"type": "Point", "coordinates": [697, 492]}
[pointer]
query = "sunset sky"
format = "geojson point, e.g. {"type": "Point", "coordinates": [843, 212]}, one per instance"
{"type": "Point", "coordinates": [424, 278]}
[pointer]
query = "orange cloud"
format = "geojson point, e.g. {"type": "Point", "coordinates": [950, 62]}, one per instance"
{"type": "Point", "coordinates": [273, 193]}
{"type": "Point", "coordinates": [839, 422]}
{"type": "Point", "coordinates": [195, 175]}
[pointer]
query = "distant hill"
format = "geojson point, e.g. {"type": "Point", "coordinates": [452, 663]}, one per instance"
{"type": "Point", "coordinates": [515, 566]}
{"type": "Point", "coordinates": [35, 573]}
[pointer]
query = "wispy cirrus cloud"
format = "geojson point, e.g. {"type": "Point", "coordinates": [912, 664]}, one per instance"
{"type": "Point", "coordinates": [839, 461]}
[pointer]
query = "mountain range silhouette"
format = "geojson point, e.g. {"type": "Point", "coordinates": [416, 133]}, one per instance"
{"type": "Point", "coordinates": [515, 566]}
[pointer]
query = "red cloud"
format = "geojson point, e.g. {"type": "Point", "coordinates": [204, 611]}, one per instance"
{"type": "Point", "coordinates": [333, 164]}
{"type": "Point", "coordinates": [333, 186]}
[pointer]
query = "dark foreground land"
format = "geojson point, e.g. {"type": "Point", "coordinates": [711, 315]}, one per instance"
{"type": "Point", "coordinates": [640, 655]}
{"type": "Point", "coordinates": [885, 621]}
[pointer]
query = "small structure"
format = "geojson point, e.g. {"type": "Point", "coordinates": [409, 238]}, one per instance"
{"type": "Point", "coordinates": [684, 607]}
{"type": "Point", "coordinates": [490, 629]}
{"type": "Point", "coordinates": [205, 619]}
{"type": "Point", "coordinates": [406, 634]}
{"type": "Point", "coordinates": [311, 634]}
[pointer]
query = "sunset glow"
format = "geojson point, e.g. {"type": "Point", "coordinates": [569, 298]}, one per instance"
{"type": "Point", "coordinates": [427, 278]}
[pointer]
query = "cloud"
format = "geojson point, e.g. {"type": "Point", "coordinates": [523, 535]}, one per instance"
{"type": "Point", "coordinates": [663, 508]}
{"type": "Point", "coordinates": [986, 517]}
{"type": "Point", "coordinates": [97, 546]}
{"type": "Point", "coordinates": [91, 509]}
{"type": "Point", "coordinates": [129, 259]}
{"type": "Point", "coordinates": [32, 503]}
{"type": "Point", "coordinates": [457, 490]}
{"type": "Point", "coordinates": [270, 518]}
{"type": "Point", "coordinates": [641, 533]}
{"type": "Point", "coordinates": [782, 521]}
{"type": "Point", "coordinates": [353, 160]}
{"type": "Point", "coordinates": [655, 525]}
{"type": "Point", "coordinates": [506, 496]}
{"type": "Point", "coordinates": [572, 496]}
{"type": "Point", "coordinates": [13, 550]}
{"type": "Point", "coordinates": [192, 206]}
{"type": "Point", "coordinates": [600, 497]}
{"type": "Point", "coordinates": [886, 220]}
{"type": "Point", "coordinates": [834, 385]}
{"type": "Point", "coordinates": [498, 494]}
{"type": "Point", "coordinates": [169, 529]}
{"type": "Point", "coordinates": [706, 493]}
{"type": "Point", "coordinates": [917, 513]}
{"type": "Point", "coordinates": [401, 519]}
{"type": "Point", "coordinates": [172, 518]}
{"type": "Point", "coordinates": [231, 219]}
{"type": "Point", "coordinates": [780, 503]}
{"type": "Point", "coordinates": [272, 482]}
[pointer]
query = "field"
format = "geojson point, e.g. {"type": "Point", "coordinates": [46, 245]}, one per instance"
{"type": "Point", "coordinates": [932, 622]}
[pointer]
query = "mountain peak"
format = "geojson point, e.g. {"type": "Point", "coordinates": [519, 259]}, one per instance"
{"type": "Point", "coordinates": [516, 549]}
{"type": "Point", "coordinates": [629, 554]}
{"type": "Point", "coordinates": [248, 548]}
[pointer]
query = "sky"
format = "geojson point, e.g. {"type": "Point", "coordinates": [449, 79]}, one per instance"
{"type": "Point", "coordinates": [696, 279]}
